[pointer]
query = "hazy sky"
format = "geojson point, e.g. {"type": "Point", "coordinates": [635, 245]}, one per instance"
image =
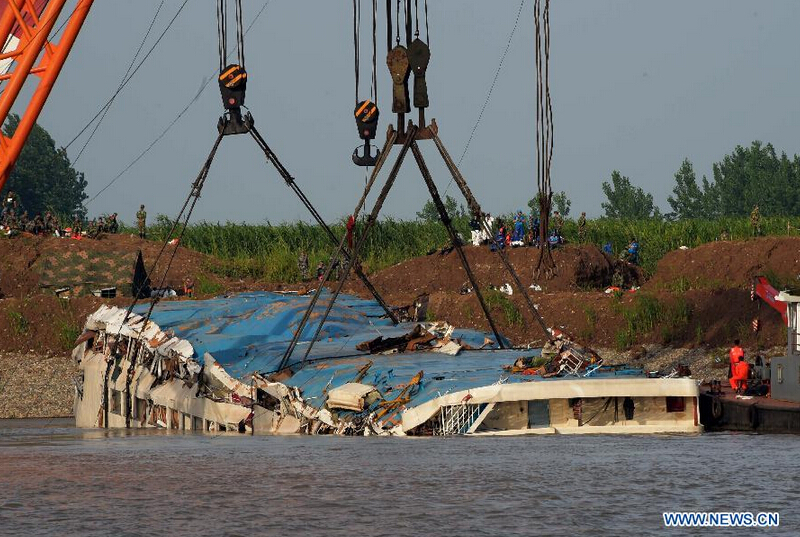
{"type": "Point", "coordinates": [637, 85]}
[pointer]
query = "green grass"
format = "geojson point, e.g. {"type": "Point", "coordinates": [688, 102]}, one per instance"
{"type": "Point", "coordinates": [68, 332]}
{"type": "Point", "coordinates": [269, 251]}
{"type": "Point", "coordinates": [206, 286]}
{"type": "Point", "coordinates": [646, 313]}
{"type": "Point", "coordinates": [19, 324]}
{"type": "Point", "coordinates": [591, 323]}
{"type": "Point", "coordinates": [68, 328]}
{"type": "Point", "coordinates": [496, 299]}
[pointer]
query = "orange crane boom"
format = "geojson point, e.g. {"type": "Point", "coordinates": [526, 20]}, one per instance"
{"type": "Point", "coordinates": [763, 289]}
{"type": "Point", "coordinates": [27, 26]}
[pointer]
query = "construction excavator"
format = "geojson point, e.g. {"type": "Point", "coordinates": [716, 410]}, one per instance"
{"type": "Point", "coordinates": [761, 288]}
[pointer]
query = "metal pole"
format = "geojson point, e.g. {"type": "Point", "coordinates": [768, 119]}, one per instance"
{"type": "Point", "coordinates": [290, 181]}
{"type": "Point", "coordinates": [392, 136]}
{"type": "Point", "coordinates": [475, 208]}
{"type": "Point", "coordinates": [445, 218]}
{"type": "Point", "coordinates": [48, 72]}
{"type": "Point", "coordinates": [373, 217]}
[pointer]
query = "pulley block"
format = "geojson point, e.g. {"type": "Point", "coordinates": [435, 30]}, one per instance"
{"type": "Point", "coordinates": [232, 86]}
{"type": "Point", "coordinates": [397, 61]}
{"type": "Point", "coordinates": [419, 55]}
{"type": "Point", "coordinates": [366, 114]}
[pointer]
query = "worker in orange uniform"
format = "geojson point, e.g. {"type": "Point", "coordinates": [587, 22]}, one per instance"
{"type": "Point", "coordinates": [741, 373]}
{"type": "Point", "coordinates": [736, 355]}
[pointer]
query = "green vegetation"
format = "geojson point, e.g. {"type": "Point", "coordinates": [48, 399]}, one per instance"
{"type": "Point", "coordinates": [713, 210]}
{"type": "Point", "coordinates": [68, 332]}
{"type": "Point", "coordinates": [43, 177]}
{"type": "Point", "coordinates": [626, 200]}
{"type": "Point", "coordinates": [646, 313]}
{"type": "Point", "coordinates": [19, 324]}
{"type": "Point", "coordinates": [429, 213]}
{"type": "Point", "coordinates": [658, 237]}
{"type": "Point", "coordinates": [207, 286]}
{"type": "Point", "coordinates": [67, 326]}
{"type": "Point", "coordinates": [561, 203]}
{"type": "Point", "coordinates": [689, 201]}
{"type": "Point", "coordinates": [746, 177]}
{"type": "Point", "coordinates": [497, 299]}
{"type": "Point", "coordinates": [591, 323]}
{"type": "Point", "coordinates": [269, 251]}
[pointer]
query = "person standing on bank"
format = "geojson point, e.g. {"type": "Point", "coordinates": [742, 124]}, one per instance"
{"type": "Point", "coordinates": [736, 355]}
{"type": "Point", "coordinates": [141, 219]}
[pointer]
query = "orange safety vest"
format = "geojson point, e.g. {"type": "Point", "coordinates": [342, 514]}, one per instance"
{"type": "Point", "coordinates": [736, 354]}
{"type": "Point", "coordinates": [741, 371]}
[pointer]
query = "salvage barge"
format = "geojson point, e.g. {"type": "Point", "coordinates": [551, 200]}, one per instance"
{"type": "Point", "coordinates": [211, 366]}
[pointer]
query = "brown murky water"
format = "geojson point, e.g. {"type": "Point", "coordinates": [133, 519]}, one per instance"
{"type": "Point", "coordinates": [57, 480]}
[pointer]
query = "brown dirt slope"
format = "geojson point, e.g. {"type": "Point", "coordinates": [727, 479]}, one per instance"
{"type": "Point", "coordinates": [710, 282]}
{"type": "Point", "coordinates": [578, 268]}
{"type": "Point", "coordinates": [725, 264]}
{"type": "Point", "coordinates": [29, 264]}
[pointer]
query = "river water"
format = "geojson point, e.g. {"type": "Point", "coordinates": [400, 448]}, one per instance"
{"type": "Point", "coordinates": [55, 479]}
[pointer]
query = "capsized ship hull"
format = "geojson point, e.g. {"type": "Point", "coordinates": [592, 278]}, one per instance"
{"type": "Point", "coordinates": [212, 366]}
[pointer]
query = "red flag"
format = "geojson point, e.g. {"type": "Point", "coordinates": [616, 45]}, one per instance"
{"type": "Point", "coordinates": [351, 224]}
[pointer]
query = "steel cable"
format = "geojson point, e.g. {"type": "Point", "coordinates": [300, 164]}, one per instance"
{"type": "Point", "coordinates": [222, 32]}
{"type": "Point", "coordinates": [491, 87]}
{"type": "Point", "coordinates": [114, 95]}
{"type": "Point", "coordinates": [544, 135]}
{"type": "Point", "coordinates": [374, 90]}
{"type": "Point", "coordinates": [175, 120]}
{"type": "Point", "coordinates": [240, 32]}
{"type": "Point", "coordinates": [357, 42]}
{"type": "Point", "coordinates": [122, 82]}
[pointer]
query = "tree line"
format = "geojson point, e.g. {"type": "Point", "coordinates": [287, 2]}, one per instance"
{"type": "Point", "coordinates": [45, 179]}
{"type": "Point", "coordinates": [748, 176]}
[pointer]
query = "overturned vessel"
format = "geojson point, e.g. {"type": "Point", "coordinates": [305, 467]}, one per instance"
{"type": "Point", "coordinates": [215, 365]}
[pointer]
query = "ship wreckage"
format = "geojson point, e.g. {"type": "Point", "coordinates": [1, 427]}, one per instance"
{"type": "Point", "coordinates": [214, 365]}
{"type": "Point", "coordinates": [228, 364]}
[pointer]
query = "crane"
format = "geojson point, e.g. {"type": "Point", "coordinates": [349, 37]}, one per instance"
{"type": "Point", "coordinates": [762, 289]}
{"type": "Point", "coordinates": [30, 48]}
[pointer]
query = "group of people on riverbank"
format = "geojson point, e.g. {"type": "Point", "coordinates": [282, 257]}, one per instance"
{"type": "Point", "coordinates": [526, 232]}
{"type": "Point", "coordinates": [522, 231]}
{"type": "Point", "coordinates": [15, 219]}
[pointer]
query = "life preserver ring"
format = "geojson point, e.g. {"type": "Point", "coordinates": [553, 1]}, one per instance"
{"type": "Point", "coordinates": [716, 408]}
{"type": "Point", "coordinates": [752, 416]}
